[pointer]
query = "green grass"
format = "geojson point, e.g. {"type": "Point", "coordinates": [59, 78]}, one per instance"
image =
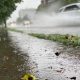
{"type": "Point", "coordinates": [67, 39]}
{"type": "Point", "coordinates": [15, 30]}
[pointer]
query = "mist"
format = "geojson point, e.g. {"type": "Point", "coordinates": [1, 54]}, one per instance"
{"type": "Point", "coordinates": [50, 16]}
{"type": "Point", "coordinates": [55, 19]}
{"type": "Point", "coordinates": [51, 20]}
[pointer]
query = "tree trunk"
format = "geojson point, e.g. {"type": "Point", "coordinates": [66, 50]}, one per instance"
{"type": "Point", "coordinates": [5, 23]}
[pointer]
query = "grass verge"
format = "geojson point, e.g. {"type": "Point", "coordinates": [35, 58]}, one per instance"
{"type": "Point", "coordinates": [15, 30]}
{"type": "Point", "coordinates": [69, 40]}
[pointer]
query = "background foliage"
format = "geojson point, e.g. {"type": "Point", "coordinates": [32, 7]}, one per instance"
{"type": "Point", "coordinates": [6, 8]}
{"type": "Point", "coordinates": [70, 1]}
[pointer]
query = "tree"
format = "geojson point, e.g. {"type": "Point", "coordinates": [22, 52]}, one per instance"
{"type": "Point", "coordinates": [6, 9]}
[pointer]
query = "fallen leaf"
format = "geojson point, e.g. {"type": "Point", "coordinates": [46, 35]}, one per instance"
{"type": "Point", "coordinates": [28, 77]}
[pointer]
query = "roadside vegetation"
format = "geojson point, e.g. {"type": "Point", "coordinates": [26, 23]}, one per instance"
{"type": "Point", "coordinates": [71, 1]}
{"type": "Point", "coordinates": [67, 39]}
{"type": "Point", "coordinates": [15, 30]}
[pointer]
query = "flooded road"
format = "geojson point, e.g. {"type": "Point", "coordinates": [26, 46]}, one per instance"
{"type": "Point", "coordinates": [42, 61]}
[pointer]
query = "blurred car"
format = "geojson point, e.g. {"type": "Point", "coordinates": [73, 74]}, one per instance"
{"type": "Point", "coordinates": [71, 7]}
{"type": "Point", "coordinates": [70, 14]}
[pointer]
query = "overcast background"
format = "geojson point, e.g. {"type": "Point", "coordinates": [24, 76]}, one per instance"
{"type": "Point", "coordinates": [23, 5]}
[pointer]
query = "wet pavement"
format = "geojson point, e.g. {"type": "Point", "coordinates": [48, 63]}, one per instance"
{"type": "Point", "coordinates": [12, 62]}
{"type": "Point", "coordinates": [42, 61]}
